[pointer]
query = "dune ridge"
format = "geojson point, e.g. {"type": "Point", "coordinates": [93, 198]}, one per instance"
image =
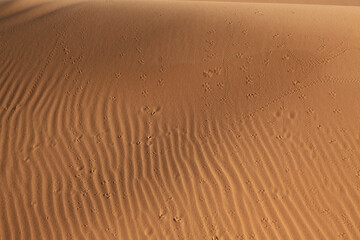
{"type": "Point", "coordinates": [179, 120]}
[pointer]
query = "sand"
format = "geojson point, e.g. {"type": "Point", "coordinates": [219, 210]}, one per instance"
{"type": "Point", "coordinates": [179, 120]}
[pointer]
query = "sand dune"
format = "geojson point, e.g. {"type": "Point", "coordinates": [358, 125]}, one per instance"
{"type": "Point", "coordinates": [297, 2]}
{"type": "Point", "coordinates": [179, 120]}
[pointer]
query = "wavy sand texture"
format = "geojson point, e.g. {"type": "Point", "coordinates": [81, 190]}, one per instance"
{"type": "Point", "coordinates": [179, 120]}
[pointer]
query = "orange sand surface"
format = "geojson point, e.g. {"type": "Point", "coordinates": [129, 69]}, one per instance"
{"type": "Point", "coordinates": [171, 120]}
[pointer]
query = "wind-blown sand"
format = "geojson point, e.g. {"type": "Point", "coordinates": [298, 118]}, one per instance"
{"type": "Point", "coordinates": [179, 120]}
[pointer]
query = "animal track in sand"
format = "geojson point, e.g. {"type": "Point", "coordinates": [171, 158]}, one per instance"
{"type": "Point", "coordinates": [209, 73]}
{"type": "Point", "coordinates": [143, 77]}
{"type": "Point", "coordinates": [249, 78]}
{"type": "Point", "coordinates": [145, 93]}
{"type": "Point", "coordinates": [239, 55]}
{"type": "Point", "coordinates": [286, 57]}
{"type": "Point", "coordinates": [332, 94]}
{"type": "Point", "coordinates": [291, 70]}
{"type": "Point", "coordinates": [162, 69]}
{"type": "Point", "coordinates": [249, 59]}
{"type": "Point", "coordinates": [206, 86]}
{"type": "Point", "coordinates": [118, 75]}
{"type": "Point", "coordinates": [151, 111]}
{"type": "Point", "coordinates": [296, 82]}
{"type": "Point", "coordinates": [309, 111]}
{"type": "Point", "coordinates": [220, 85]}
{"type": "Point", "coordinates": [160, 82]}
{"type": "Point", "coordinates": [107, 195]}
{"type": "Point", "coordinates": [243, 69]}
{"type": "Point", "coordinates": [251, 95]}
{"type": "Point", "coordinates": [177, 219]}
{"type": "Point", "coordinates": [302, 96]}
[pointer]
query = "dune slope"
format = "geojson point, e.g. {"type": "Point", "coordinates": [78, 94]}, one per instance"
{"type": "Point", "coordinates": [179, 120]}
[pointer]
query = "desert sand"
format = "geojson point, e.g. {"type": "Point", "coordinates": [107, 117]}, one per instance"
{"type": "Point", "coordinates": [180, 120]}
